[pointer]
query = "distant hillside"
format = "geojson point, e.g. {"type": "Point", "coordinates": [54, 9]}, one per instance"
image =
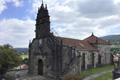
{"type": "Point", "coordinates": [21, 50]}
{"type": "Point", "coordinates": [112, 37]}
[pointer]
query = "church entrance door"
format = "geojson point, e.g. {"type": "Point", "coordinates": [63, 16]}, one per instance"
{"type": "Point", "coordinates": [40, 67]}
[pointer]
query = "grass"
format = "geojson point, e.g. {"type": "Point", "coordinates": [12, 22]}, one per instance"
{"type": "Point", "coordinates": [107, 76]}
{"type": "Point", "coordinates": [95, 70]}
{"type": "Point", "coordinates": [24, 56]}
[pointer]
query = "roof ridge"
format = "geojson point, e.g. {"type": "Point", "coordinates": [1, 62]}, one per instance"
{"type": "Point", "coordinates": [68, 38]}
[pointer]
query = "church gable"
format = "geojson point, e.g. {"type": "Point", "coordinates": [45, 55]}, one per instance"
{"type": "Point", "coordinates": [95, 40]}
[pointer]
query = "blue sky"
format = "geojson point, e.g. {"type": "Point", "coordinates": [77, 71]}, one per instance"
{"type": "Point", "coordinates": [69, 18]}
{"type": "Point", "coordinates": [20, 12]}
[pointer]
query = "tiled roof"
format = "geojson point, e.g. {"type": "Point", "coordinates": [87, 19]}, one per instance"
{"type": "Point", "coordinates": [86, 44]}
{"type": "Point", "coordinates": [95, 40]}
{"type": "Point", "coordinates": [82, 45]}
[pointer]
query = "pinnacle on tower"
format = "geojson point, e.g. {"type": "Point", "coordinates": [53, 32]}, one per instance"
{"type": "Point", "coordinates": [92, 34]}
{"type": "Point", "coordinates": [42, 22]}
{"type": "Point", "coordinates": [42, 1]}
{"type": "Point", "coordinates": [42, 5]}
{"type": "Point", "coordinates": [46, 6]}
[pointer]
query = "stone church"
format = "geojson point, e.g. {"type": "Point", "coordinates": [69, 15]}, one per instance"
{"type": "Point", "coordinates": [54, 57]}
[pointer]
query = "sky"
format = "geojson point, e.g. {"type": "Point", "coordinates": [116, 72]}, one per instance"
{"type": "Point", "coordinates": [69, 18]}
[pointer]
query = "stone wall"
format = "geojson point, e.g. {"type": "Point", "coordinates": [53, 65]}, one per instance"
{"type": "Point", "coordinates": [60, 60]}
{"type": "Point", "coordinates": [104, 50]}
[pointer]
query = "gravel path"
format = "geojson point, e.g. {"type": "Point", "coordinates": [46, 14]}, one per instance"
{"type": "Point", "coordinates": [92, 77]}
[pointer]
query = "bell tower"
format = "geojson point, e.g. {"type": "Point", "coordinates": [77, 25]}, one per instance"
{"type": "Point", "coordinates": [45, 50]}
{"type": "Point", "coordinates": [42, 22]}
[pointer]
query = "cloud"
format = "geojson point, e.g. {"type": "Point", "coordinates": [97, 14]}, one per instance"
{"type": "Point", "coordinates": [17, 3]}
{"type": "Point", "coordinates": [116, 1]}
{"type": "Point", "coordinates": [97, 8]}
{"type": "Point", "coordinates": [109, 21]}
{"type": "Point", "coordinates": [16, 32]}
{"type": "Point", "coordinates": [80, 18]}
{"type": "Point", "coordinates": [3, 4]}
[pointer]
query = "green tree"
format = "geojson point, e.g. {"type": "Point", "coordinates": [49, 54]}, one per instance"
{"type": "Point", "coordinates": [8, 58]}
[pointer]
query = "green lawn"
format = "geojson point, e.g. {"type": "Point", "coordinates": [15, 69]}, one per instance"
{"type": "Point", "coordinates": [95, 70]}
{"type": "Point", "coordinates": [107, 76]}
{"type": "Point", "coordinates": [23, 56]}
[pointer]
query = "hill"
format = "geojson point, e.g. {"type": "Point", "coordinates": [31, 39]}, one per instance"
{"type": "Point", "coordinates": [21, 50]}
{"type": "Point", "coordinates": [112, 37]}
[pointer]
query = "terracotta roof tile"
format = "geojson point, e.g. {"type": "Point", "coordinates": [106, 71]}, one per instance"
{"type": "Point", "coordinates": [95, 40]}
{"type": "Point", "coordinates": [82, 45]}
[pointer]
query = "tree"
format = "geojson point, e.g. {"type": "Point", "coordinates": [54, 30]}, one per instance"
{"type": "Point", "coordinates": [25, 61]}
{"type": "Point", "coordinates": [8, 58]}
